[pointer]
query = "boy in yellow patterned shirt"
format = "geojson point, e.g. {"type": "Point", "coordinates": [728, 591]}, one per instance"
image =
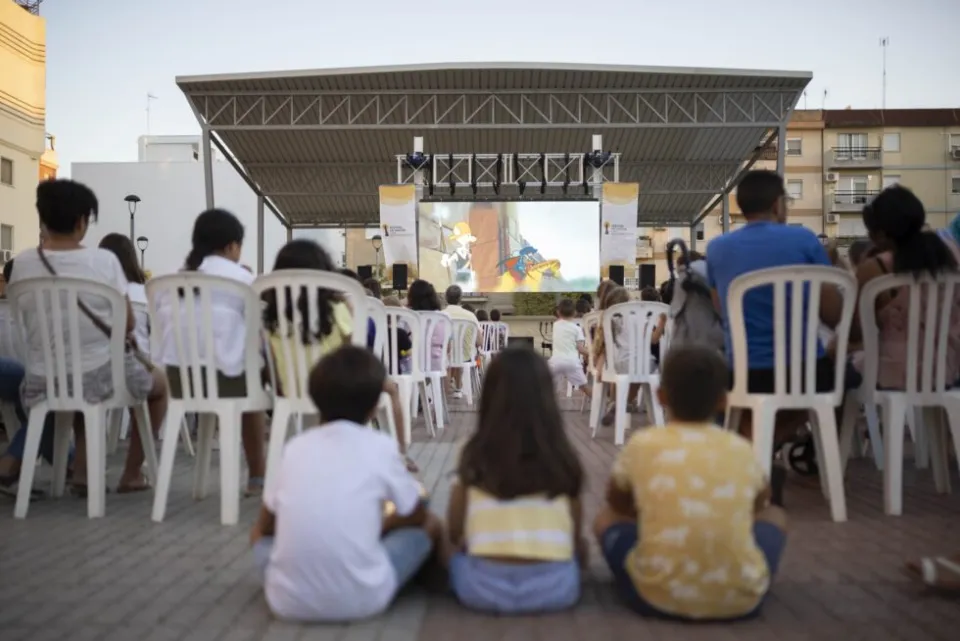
{"type": "Point", "coordinates": [711, 542]}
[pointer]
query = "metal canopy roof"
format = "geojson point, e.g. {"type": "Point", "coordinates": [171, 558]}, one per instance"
{"type": "Point", "coordinates": [317, 144]}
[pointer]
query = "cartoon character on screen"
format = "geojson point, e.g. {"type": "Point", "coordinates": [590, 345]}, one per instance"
{"type": "Point", "coordinates": [460, 258]}
{"type": "Point", "coordinates": [523, 272]}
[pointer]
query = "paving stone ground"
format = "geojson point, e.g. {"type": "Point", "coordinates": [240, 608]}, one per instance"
{"type": "Point", "coordinates": [125, 578]}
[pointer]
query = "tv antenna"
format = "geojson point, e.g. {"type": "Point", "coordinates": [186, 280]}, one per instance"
{"type": "Point", "coordinates": [884, 43]}
{"type": "Point", "coordinates": [150, 98]}
{"type": "Point", "coordinates": [33, 6]}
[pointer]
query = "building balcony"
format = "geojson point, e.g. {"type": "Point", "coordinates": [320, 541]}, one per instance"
{"type": "Point", "coordinates": [855, 158]}
{"type": "Point", "coordinates": [852, 201]}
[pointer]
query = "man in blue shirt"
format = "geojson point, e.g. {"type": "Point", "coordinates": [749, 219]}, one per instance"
{"type": "Point", "coordinates": [766, 242]}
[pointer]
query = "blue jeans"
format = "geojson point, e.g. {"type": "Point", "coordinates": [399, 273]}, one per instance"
{"type": "Point", "coordinates": [619, 539]}
{"type": "Point", "coordinates": [514, 588]}
{"type": "Point", "coordinates": [11, 375]}
{"type": "Point", "coordinates": [407, 548]}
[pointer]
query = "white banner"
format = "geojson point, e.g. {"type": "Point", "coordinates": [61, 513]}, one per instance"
{"type": "Point", "coordinates": [618, 222]}
{"type": "Point", "coordinates": [398, 224]}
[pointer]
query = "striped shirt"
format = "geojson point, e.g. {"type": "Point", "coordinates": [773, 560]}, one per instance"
{"type": "Point", "coordinates": [528, 527]}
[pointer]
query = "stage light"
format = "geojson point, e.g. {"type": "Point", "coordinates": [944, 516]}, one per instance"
{"type": "Point", "coordinates": [598, 159]}
{"type": "Point", "coordinates": [417, 160]}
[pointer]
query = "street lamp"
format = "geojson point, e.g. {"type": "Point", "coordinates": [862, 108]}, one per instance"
{"type": "Point", "coordinates": [132, 201]}
{"type": "Point", "coordinates": [142, 243]}
{"type": "Point", "coordinates": [377, 243]}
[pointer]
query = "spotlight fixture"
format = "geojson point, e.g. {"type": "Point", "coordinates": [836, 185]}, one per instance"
{"type": "Point", "coordinates": [417, 160]}
{"type": "Point", "coordinates": [597, 159]}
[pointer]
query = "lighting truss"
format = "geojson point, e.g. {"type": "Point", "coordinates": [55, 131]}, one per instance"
{"type": "Point", "coordinates": [555, 109]}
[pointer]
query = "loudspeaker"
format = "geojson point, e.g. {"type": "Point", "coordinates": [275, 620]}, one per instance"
{"type": "Point", "coordinates": [400, 277]}
{"type": "Point", "coordinates": [616, 274]}
{"type": "Point", "coordinates": [648, 276]}
{"type": "Point", "coordinates": [365, 271]}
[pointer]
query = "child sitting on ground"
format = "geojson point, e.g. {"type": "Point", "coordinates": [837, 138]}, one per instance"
{"type": "Point", "coordinates": [515, 514]}
{"type": "Point", "coordinates": [688, 531]}
{"type": "Point", "coordinates": [569, 345]}
{"type": "Point", "coordinates": [334, 557]}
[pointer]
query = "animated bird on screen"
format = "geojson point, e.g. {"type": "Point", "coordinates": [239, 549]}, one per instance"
{"type": "Point", "coordinates": [522, 271]}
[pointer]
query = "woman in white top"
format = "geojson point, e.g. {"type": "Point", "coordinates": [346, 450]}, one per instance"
{"type": "Point", "coordinates": [65, 209]}
{"type": "Point", "coordinates": [122, 248]}
{"type": "Point", "coordinates": [217, 241]}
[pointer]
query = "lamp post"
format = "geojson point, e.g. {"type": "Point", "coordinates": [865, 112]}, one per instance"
{"type": "Point", "coordinates": [142, 243]}
{"type": "Point", "coordinates": [132, 201]}
{"type": "Point", "coordinates": [377, 243]}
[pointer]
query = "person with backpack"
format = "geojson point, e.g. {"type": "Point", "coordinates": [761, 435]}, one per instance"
{"type": "Point", "coordinates": [694, 316]}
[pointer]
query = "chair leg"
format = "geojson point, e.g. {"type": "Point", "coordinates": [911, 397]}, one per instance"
{"type": "Point", "coordinates": [596, 407]}
{"type": "Point", "coordinates": [919, 435]}
{"type": "Point", "coordinates": [94, 427]}
{"type": "Point", "coordinates": [732, 418]}
{"type": "Point", "coordinates": [62, 431]}
{"type": "Point", "coordinates": [201, 472]}
{"type": "Point", "coordinates": [279, 431]}
{"type": "Point", "coordinates": [654, 407]}
{"type": "Point", "coordinates": [894, 421]}
{"type": "Point", "coordinates": [28, 466]}
{"type": "Point", "coordinates": [146, 438]}
{"type": "Point", "coordinates": [425, 404]}
{"type": "Point", "coordinates": [230, 426]}
{"type": "Point", "coordinates": [187, 439]}
{"type": "Point", "coordinates": [764, 420]}
{"type": "Point", "coordinates": [830, 462]}
{"type": "Point", "coordinates": [114, 424]}
{"type": "Point", "coordinates": [876, 438]}
{"type": "Point", "coordinates": [168, 455]}
{"type": "Point", "coordinates": [466, 378]}
{"type": "Point", "coordinates": [622, 394]}
{"type": "Point", "coordinates": [938, 439]}
{"type": "Point", "coordinates": [848, 428]}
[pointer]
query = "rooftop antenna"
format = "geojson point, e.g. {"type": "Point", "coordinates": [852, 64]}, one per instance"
{"type": "Point", "coordinates": [33, 6]}
{"type": "Point", "coordinates": [150, 97]}
{"type": "Point", "coordinates": [884, 43]}
{"type": "Point", "coordinates": [823, 104]}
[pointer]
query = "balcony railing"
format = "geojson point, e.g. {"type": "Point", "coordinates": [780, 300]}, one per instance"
{"type": "Point", "coordinates": [853, 200]}
{"type": "Point", "coordinates": [857, 156]}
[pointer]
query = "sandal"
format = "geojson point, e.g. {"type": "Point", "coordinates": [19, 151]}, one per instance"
{"type": "Point", "coordinates": [254, 486]}
{"type": "Point", "coordinates": [940, 573]}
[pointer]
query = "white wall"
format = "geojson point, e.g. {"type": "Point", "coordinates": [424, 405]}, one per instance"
{"type": "Point", "coordinates": [172, 195]}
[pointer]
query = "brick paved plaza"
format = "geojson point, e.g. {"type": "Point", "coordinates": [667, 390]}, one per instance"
{"type": "Point", "coordinates": [125, 578]}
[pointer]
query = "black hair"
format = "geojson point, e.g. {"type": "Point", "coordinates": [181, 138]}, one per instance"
{"type": "Point", "coordinates": [495, 315]}
{"type": "Point", "coordinates": [583, 306]}
{"type": "Point", "coordinates": [482, 315]}
{"type": "Point", "coordinates": [666, 291]}
{"type": "Point", "coordinates": [213, 231]}
{"type": "Point", "coordinates": [586, 297]}
{"type": "Point", "coordinates": [63, 204]}
{"type": "Point", "coordinates": [468, 307]}
{"type": "Point", "coordinates": [650, 294]}
{"type": "Point", "coordinates": [373, 286]}
{"type": "Point", "coordinates": [123, 248]}
{"type": "Point", "coordinates": [758, 192]}
{"type": "Point", "coordinates": [520, 449]}
{"type": "Point", "coordinates": [8, 270]}
{"type": "Point", "coordinates": [858, 251]}
{"type": "Point", "coordinates": [566, 308]}
{"type": "Point", "coordinates": [899, 215]}
{"type": "Point", "coordinates": [302, 253]}
{"type": "Point", "coordinates": [453, 295]}
{"type": "Point", "coordinates": [346, 385]}
{"type": "Point", "coordinates": [349, 273]}
{"type": "Point", "coordinates": [698, 402]}
{"type": "Point", "coordinates": [422, 297]}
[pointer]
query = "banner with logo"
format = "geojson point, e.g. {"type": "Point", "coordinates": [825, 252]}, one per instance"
{"type": "Point", "coordinates": [618, 225]}
{"type": "Point", "coordinates": [398, 224]}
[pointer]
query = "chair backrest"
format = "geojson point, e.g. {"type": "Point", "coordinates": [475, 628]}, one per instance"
{"type": "Point", "coordinates": [398, 318]}
{"type": "Point", "coordinates": [10, 345]}
{"type": "Point", "coordinates": [933, 306]}
{"type": "Point", "coordinates": [377, 312]}
{"type": "Point", "coordinates": [296, 351]}
{"type": "Point", "coordinates": [181, 317]}
{"type": "Point", "coordinates": [796, 324]}
{"type": "Point", "coordinates": [463, 344]}
{"type": "Point", "coordinates": [590, 323]}
{"type": "Point", "coordinates": [437, 330]}
{"type": "Point", "coordinates": [628, 335]}
{"type": "Point", "coordinates": [141, 314]}
{"type": "Point", "coordinates": [53, 330]}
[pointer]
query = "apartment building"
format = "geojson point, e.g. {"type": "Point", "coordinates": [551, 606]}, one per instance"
{"type": "Point", "coordinates": [22, 124]}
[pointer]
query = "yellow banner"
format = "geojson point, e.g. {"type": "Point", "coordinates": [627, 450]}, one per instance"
{"type": "Point", "coordinates": [618, 223]}
{"type": "Point", "coordinates": [398, 223]}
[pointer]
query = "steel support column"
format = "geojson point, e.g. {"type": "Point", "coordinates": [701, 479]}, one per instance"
{"type": "Point", "coordinates": [208, 166]}
{"type": "Point", "coordinates": [418, 196]}
{"type": "Point", "coordinates": [725, 215]}
{"type": "Point", "coordinates": [781, 148]}
{"type": "Point", "coordinates": [260, 230]}
{"type": "Point", "coordinates": [693, 236]}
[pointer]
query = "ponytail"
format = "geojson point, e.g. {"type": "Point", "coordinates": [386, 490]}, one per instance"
{"type": "Point", "coordinates": [195, 258]}
{"type": "Point", "coordinates": [924, 251]}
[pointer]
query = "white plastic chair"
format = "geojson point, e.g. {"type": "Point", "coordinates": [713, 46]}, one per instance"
{"type": "Point", "coordinates": [299, 354]}
{"type": "Point", "coordinates": [397, 318]}
{"type": "Point", "coordinates": [434, 370]}
{"type": "Point", "coordinates": [794, 343]}
{"type": "Point", "coordinates": [491, 333]}
{"type": "Point", "coordinates": [635, 323]}
{"type": "Point", "coordinates": [463, 352]}
{"type": "Point", "coordinates": [932, 305]}
{"type": "Point", "coordinates": [181, 314]}
{"type": "Point", "coordinates": [48, 315]}
{"type": "Point", "coordinates": [591, 324]}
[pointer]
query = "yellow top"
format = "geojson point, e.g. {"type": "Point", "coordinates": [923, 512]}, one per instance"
{"type": "Point", "coordinates": [292, 346]}
{"type": "Point", "coordinates": [529, 527]}
{"type": "Point", "coordinates": [695, 487]}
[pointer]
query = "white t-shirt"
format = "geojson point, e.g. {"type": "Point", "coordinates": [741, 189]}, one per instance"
{"type": "Point", "coordinates": [566, 335]}
{"type": "Point", "coordinates": [91, 263]}
{"type": "Point", "coordinates": [328, 563]}
{"type": "Point", "coordinates": [137, 293]}
{"type": "Point", "coordinates": [229, 326]}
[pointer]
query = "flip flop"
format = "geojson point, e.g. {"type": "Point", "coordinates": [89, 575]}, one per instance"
{"type": "Point", "coordinates": [929, 572]}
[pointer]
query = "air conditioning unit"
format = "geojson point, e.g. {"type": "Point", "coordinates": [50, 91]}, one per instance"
{"type": "Point", "coordinates": [6, 256]}
{"type": "Point", "coordinates": [955, 153]}
{"type": "Point", "coordinates": [830, 177]}
{"type": "Point", "coordinates": [645, 252]}
{"type": "Point", "coordinates": [833, 219]}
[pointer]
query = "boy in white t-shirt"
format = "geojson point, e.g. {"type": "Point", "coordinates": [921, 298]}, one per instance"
{"type": "Point", "coordinates": [569, 345]}
{"type": "Point", "coordinates": [325, 549]}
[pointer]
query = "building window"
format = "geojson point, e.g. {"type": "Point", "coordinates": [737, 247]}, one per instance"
{"type": "Point", "coordinates": [891, 143]}
{"type": "Point", "coordinates": [852, 146]}
{"type": "Point", "coordinates": [955, 185]}
{"type": "Point", "coordinates": [6, 171]}
{"type": "Point", "coordinates": [700, 231]}
{"type": "Point", "coordinates": [890, 180]}
{"type": "Point", "coordinates": [6, 238]}
{"type": "Point", "coordinates": [794, 147]}
{"type": "Point", "coordinates": [954, 141]}
{"type": "Point", "coordinates": [795, 189]}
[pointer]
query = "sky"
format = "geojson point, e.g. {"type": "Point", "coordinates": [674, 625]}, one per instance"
{"type": "Point", "coordinates": [104, 56]}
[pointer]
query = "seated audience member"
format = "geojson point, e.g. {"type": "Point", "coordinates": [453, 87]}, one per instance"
{"type": "Point", "coordinates": [569, 347]}
{"type": "Point", "coordinates": [404, 340]}
{"type": "Point", "coordinates": [371, 324]}
{"type": "Point", "coordinates": [122, 247]}
{"type": "Point", "coordinates": [372, 285]}
{"type": "Point", "coordinates": [895, 221]}
{"type": "Point", "coordinates": [687, 529]}
{"type": "Point", "coordinates": [457, 310]}
{"type": "Point", "coordinates": [422, 297]}
{"type": "Point", "coordinates": [515, 515]}
{"type": "Point", "coordinates": [482, 316]}
{"type": "Point", "coordinates": [582, 307]}
{"type": "Point", "coordinates": [652, 295]}
{"type": "Point", "coordinates": [614, 295]}
{"type": "Point", "coordinates": [321, 541]}
{"type": "Point", "coordinates": [857, 253]}
{"type": "Point", "coordinates": [66, 209]}
{"type": "Point", "coordinates": [495, 317]}
{"type": "Point", "coordinates": [767, 242]}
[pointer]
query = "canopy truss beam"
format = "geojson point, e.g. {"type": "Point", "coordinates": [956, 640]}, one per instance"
{"type": "Point", "coordinates": [550, 109]}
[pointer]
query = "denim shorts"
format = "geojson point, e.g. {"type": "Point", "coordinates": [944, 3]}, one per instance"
{"type": "Point", "coordinates": [619, 539]}
{"type": "Point", "coordinates": [407, 548]}
{"type": "Point", "coordinates": [514, 588]}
